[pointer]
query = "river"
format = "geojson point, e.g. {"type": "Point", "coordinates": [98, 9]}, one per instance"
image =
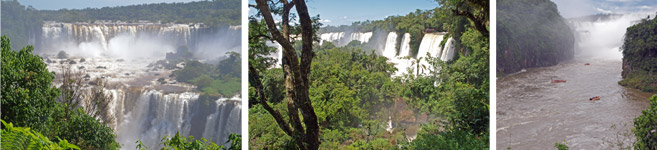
{"type": "Point", "coordinates": [533, 113]}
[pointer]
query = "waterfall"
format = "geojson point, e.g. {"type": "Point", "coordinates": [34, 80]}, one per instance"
{"type": "Point", "coordinates": [448, 51]}
{"type": "Point", "coordinates": [102, 32]}
{"type": "Point", "coordinates": [339, 39]}
{"type": "Point", "coordinates": [390, 50]}
{"type": "Point", "coordinates": [224, 121]}
{"type": "Point", "coordinates": [153, 115]}
{"type": "Point", "coordinates": [405, 48]}
{"type": "Point", "coordinates": [430, 46]}
{"type": "Point", "coordinates": [361, 37]}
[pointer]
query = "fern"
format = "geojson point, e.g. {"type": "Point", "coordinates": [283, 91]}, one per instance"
{"type": "Point", "coordinates": [20, 138]}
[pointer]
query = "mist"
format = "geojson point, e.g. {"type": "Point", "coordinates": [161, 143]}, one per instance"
{"type": "Point", "coordinates": [216, 45]}
{"type": "Point", "coordinates": [207, 44]}
{"type": "Point", "coordinates": [602, 38]}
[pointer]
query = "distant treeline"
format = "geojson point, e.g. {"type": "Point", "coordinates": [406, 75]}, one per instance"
{"type": "Point", "coordinates": [640, 56]}
{"type": "Point", "coordinates": [23, 23]}
{"type": "Point", "coordinates": [531, 33]}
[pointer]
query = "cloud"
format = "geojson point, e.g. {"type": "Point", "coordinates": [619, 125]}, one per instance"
{"type": "Point", "coordinates": [324, 21]}
{"type": "Point", "coordinates": [644, 7]}
{"type": "Point", "coordinates": [604, 11]}
{"type": "Point", "coordinates": [345, 17]}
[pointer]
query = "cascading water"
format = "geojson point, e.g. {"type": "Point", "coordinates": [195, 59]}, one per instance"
{"type": "Point", "coordinates": [96, 39]}
{"type": "Point", "coordinates": [390, 50]}
{"type": "Point", "coordinates": [156, 115]}
{"type": "Point", "coordinates": [146, 103]}
{"type": "Point", "coordinates": [405, 48]}
{"type": "Point", "coordinates": [430, 46]}
{"type": "Point", "coordinates": [448, 51]}
{"type": "Point", "coordinates": [339, 39]}
{"type": "Point", "coordinates": [402, 63]}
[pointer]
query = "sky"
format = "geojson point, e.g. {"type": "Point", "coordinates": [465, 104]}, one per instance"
{"type": "Point", "coordinates": [81, 4]}
{"type": "Point", "coordinates": [344, 12]}
{"type": "Point", "coordinates": [578, 8]}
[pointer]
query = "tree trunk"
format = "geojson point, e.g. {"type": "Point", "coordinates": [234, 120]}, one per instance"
{"type": "Point", "coordinates": [296, 74]}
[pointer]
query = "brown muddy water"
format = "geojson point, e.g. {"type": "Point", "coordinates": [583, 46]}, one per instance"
{"type": "Point", "coordinates": [533, 113]}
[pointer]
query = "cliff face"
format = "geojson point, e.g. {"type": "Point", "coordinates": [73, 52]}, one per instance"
{"type": "Point", "coordinates": [640, 56]}
{"type": "Point", "coordinates": [531, 33]}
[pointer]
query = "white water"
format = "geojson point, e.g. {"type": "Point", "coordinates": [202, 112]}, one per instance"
{"type": "Point", "coordinates": [134, 40]}
{"type": "Point", "coordinates": [405, 48]}
{"type": "Point", "coordinates": [449, 50]}
{"type": "Point", "coordinates": [156, 115]}
{"type": "Point", "coordinates": [430, 46]}
{"type": "Point", "coordinates": [390, 50]}
{"type": "Point", "coordinates": [339, 39]}
{"type": "Point", "coordinates": [602, 39]}
{"type": "Point", "coordinates": [401, 62]}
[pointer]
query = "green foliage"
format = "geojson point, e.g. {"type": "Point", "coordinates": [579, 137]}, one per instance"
{"type": "Point", "coordinates": [258, 49]}
{"type": "Point", "coordinates": [459, 93]}
{"type": "Point", "coordinates": [264, 132]}
{"type": "Point", "coordinates": [222, 79]}
{"type": "Point", "coordinates": [218, 12]}
{"type": "Point", "coordinates": [433, 137]}
{"type": "Point", "coordinates": [82, 130]}
{"type": "Point", "coordinates": [347, 83]}
{"type": "Point", "coordinates": [561, 146]}
{"type": "Point", "coordinates": [640, 56]}
{"type": "Point", "coordinates": [24, 138]}
{"type": "Point", "coordinates": [179, 142]}
{"type": "Point", "coordinates": [531, 33]}
{"type": "Point", "coordinates": [28, 96]}
{"type": "Point", "coordinates": [20, 23]}
{"type": "Point", "coordinates": [28, 99]}
{"type": "Point", "coordinates": [645, 127]}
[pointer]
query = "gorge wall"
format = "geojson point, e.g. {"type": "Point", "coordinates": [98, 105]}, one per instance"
{"type": "Point", "coordinates": [531, 33]}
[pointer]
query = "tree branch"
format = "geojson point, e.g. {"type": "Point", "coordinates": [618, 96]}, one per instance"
{"type": "Point", "coordinates": [254, 77]}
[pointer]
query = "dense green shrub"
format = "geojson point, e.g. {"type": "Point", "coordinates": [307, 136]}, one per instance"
{"type": "Point", "coordinates": [179, 142]}
{"type": "Point", "coordinates": [28, 96]}
{"type": "Point", "coordinates": [29, 99]}
{"type": "Point", "coordinates": [645, 127]}
{"type": "Point", "coordinates": [223, 79]}
{"type": "Point", "coordinates": [82, 130]}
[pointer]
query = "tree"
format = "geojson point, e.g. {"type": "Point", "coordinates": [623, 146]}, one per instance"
{"type": "Point", "coordinates": [296, 72]}
{"type": "Point", "coordinates": [475, 10]}
{"type": "Point", "coordinates": [27, 92]}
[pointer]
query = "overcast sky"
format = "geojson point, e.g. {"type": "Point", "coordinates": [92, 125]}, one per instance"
{"type": "Point", "coordinates": [578, 8]}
